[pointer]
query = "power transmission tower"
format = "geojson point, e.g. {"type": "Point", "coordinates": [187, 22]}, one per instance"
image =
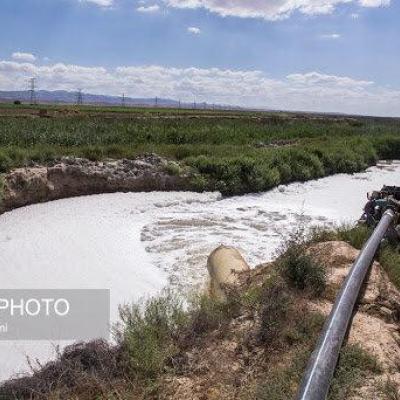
{"type": "Point", "coordinates": [156, 102]}
{"type": "Point", "coordinates": [32, 83]}
{"type": "Point", "coordinates": [123, 100]}
{"type": "Point", "coordinates": [79, 97]}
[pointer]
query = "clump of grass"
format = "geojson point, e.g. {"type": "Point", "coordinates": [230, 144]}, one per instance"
{"type": "Point", "coordinates": [389, 257]}
{"type": "Point", "coordinates": [207, 314]}
{"type": "Point", "coordinates": [301, 271]}
{"type": "Point", "coordinates": [354, 365]}
{"type": "Point", "coordinates": [356, 236]}
{"type": "Point", "coordinates": [276, 305]}
{"type": "Point", "coordinates": [149, 335]}
{"type": "Point", "coordinates": [173, 168]}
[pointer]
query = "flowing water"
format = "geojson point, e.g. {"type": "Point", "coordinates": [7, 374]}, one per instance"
{"type": "Point", "coordinates": [137, 243]}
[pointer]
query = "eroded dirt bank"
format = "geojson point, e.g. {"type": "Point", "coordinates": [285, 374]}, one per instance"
{"type": "Point", "coordinates": [69, 177]}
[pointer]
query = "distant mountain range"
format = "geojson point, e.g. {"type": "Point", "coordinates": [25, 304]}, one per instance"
{"type": "Point", "coordinates": [65, 97]}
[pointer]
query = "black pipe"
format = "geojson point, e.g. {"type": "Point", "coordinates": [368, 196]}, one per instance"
{"type": "Point", "coordinates": [318, 375]}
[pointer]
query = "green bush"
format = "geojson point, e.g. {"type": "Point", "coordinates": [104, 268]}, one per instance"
{"type": "Point", "coordinates": [276, 305]}
{"type": "Point", "coordinates": [149, 334]}
{"type": "Point", "coordinates": [207, 314]}
{"type": "Point", "coordinates": [301, 271]}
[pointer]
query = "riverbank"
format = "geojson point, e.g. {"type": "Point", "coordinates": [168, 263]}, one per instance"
{"type": "Point", "coordinates": [254, 345]}
{"type": "Point", "coordinates": [70, 177]}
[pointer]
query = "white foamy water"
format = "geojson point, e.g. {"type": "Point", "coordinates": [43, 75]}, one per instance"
{"type": "Point", "coordinates": [137, 243]}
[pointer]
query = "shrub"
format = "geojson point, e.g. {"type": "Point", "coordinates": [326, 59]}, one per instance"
{"type": "Point", "coordinates": [199, 183]}
{"type": "Point", "coordinates": [276, 303]}
{"type": "Point", "coordinates": [83, 369]}
{"type": "Point", "coordinates": [300, 270]}
{"type": "Point", "coordinates": [173, 168]}
{"type": "Point", "coordinates": [149, 333]}
{"type": "Point", "coordinates": [207, 314]}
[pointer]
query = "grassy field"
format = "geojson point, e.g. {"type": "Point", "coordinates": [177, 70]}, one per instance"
{"type": "Point", "coordinates": [233, 151]}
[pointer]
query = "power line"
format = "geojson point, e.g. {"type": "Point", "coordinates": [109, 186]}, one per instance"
{"type": "Point", "coordinates": [32, 83]}
{"type": "Point", "coordinates": [79, 97]}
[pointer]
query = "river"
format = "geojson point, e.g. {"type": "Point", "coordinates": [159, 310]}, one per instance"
{"type": "Point", "coordinates": [137, 243]}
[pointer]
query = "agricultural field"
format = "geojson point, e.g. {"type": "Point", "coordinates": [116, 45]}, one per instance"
{"type": "Point", "coordinates": [234, 152]}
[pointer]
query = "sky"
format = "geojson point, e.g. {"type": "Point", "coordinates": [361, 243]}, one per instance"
{"type": "Point", "coordinates": [311, 55]}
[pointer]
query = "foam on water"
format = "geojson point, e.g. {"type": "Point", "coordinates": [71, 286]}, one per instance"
{"type": "Point", "coordinates": [137, 243]}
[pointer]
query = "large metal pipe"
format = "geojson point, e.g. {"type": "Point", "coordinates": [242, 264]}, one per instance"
{"type": "Point", "coordinates": [318, 375]}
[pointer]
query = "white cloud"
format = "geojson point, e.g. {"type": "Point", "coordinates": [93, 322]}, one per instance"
{"type": "Point", "coordinates": [149, 9]}
{"type": "Point", "coordinates": [194, 30]}
{"type": "Point", "coordinates": [374, 3]}
{"type": "Point", "coordinates": [269, 9]}
{"type": "Point", "coordinates": [331, 36]}
{"type": "Point", "coordinates": [101, 3]}
{"type": "Point", "coordinates": [18, 56]}
{"type": "Point", "coordinates": [312, 91]}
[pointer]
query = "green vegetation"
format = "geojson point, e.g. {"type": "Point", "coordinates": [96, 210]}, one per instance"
{"type": "Point", "coordinates": [234, 151]}
{"type": "Point", "coordinates": [388, 256]}
{"type": "Point", "coordinates": [301, 271]}
{"type": "Point", "coordinates": [148, 335]}
{"type": "Point", "coordinates": [280, 383]}
{"type": "Point", "coordinates": [354, 365]}
{"type": "Point", "coordinates": [1, 188]}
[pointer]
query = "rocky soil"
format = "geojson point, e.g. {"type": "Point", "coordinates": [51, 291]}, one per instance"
{"type": "Point", "coordinates": [68, 177]}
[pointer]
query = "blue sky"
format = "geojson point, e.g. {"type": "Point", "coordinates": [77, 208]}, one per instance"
{"type": "Point", "coordinates": [298, 49]}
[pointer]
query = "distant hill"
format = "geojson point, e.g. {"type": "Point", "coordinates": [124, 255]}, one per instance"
{"type": "Point", "coordinates": [65, 97]}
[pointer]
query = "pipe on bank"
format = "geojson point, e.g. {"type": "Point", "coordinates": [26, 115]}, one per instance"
{"type": "Point", "coordinates": [320, 369]}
